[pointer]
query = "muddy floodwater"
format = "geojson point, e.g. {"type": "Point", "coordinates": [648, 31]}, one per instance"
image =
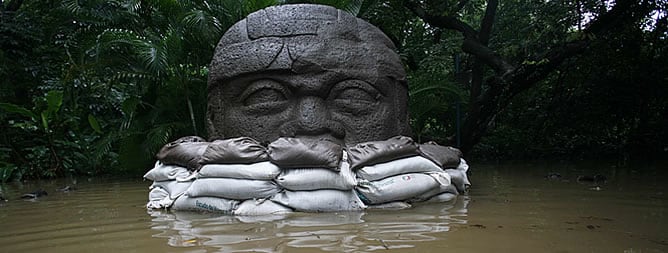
{"type": "Point", "coordinates": [512, 207]}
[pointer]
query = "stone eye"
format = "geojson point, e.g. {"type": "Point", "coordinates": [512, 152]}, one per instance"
{"type": "Point", "coordinates": [355, 91]}
{"type": "Point", "coordinates": [264, 92]}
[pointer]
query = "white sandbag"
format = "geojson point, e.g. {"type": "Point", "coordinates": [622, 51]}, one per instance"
{"type": "Point", "coordinates": [158, 198]}
{"type": "Point", "coordinates": [174, 188]}
{"type": "Point", "coordinates": [233, 188]}
{"type": "Point", "coordinates": [261, 207]}
{"type": "Point", "coordinates": [459, 177]}
{"type": "Point", "coordinates": [443, 188]}
{"type": "Point", "coordinates": [161, 172]}
{"type": "Point", "coordinates": [317, 178]}
{"type": "Point", "coordinates": [258, 171]}
{"type": "Point", "coordinates": [443, 197]}
{"type": "Point", "coordinates": [395, 188]}
{"type": "Point", "coordinates": [396, 205]}
{"type": "Point", "coordinates": [400, 166]}
{"type": "Point", "coordinates": [206, 204]}
{"type": "Point", "coordinates": [320, 200]}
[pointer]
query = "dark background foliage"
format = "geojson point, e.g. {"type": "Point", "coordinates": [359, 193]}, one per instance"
{"type": "Point", "coordinates": [93, 87]}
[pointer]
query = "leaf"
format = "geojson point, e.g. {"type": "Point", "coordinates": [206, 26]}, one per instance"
{"type": "Point", "coordinates": [94, 124]}
{"type": "Point", "coordinates": [45, 122]}
{"type": "Point", "coordinates": [6, 172]}
{"type": "Point", "coordinates": [54, 99]}
{"type": "Point", "coordinates": [18, 109]}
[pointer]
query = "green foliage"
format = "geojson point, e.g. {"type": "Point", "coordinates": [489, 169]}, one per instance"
{"type": "Point", "coordinates": [91, 87]}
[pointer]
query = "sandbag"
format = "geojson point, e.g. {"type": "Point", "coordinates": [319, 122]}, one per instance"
{"type": "Point", "coordinates": [400, 187]}
{"type": "Point", "coordinates": [205, 204]}
{"type": "Point", "coordinates": [320, 200]}
{"type": "Point", "coordinates": [158, 198]}
{"type": "Point", "coordinates": [174, 188]}
{"type": "Point", "coordinates": [242, 150]}
{"type": "Point", "coordinates": [459, 177]}
{"type": "Point", "coordinates": [163, 172]}
{"type": "Point", "coordinates": [184, 152]}
{"type": "Point", "coordinates": [233, 188]}
{"type": "Point", "coordinates": [446, 157]}
{"type": "Point", "coordinates": [317, 178]}
{"type": "Point", "coordinates": [287, 152]}
{"type": "Point", "coordinates": [459, 180]}
{"type": "Point", "coordinates": [261, 207]}
{"type": "Point", "coordinates": [370, 153]}
{"type": "Point", "coordinates": [259, 171]}
{"type": "Point", "coordinates": [442, 197]}
{"type": "Point", "coordinates": [396, 205]}
{"type": "Point", "coordinates": [396, 167]}
{"type": "Point", "coordinates": [443, 188]}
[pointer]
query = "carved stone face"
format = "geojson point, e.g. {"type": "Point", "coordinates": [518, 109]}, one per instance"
{"type": "Point", "coordinates": [306, 71]}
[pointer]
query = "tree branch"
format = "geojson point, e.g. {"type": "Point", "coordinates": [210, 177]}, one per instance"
{"type": "Point", "coordinates": [472, 43]}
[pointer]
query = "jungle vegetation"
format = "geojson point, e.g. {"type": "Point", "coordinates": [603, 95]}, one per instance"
{"type": "Point", "coordinates": [90, 87]}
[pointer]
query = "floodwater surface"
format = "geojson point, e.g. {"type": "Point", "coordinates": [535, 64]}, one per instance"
{"type": "Point", "coordinates": [510, 208]}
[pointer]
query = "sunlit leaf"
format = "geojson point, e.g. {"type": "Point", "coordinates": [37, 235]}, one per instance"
{"type": "Point", "coordinates": [94, 124]}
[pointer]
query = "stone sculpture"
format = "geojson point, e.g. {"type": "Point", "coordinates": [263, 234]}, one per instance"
{"type": "Point", "coordinates": [306, 71]}
{"type": "Point", "coordinates": [307, 112]}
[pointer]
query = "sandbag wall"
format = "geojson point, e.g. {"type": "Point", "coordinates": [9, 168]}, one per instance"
{"type": "Point", "coordinates": [242, 177]}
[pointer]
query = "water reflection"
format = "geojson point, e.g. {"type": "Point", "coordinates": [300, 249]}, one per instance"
{"type": "Point", "coordinates": [340, 232]}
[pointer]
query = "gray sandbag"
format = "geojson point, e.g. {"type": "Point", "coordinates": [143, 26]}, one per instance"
{"type": "Point", "coordinates": [459, 177]}
{"type": "Point", "coordinates": [205, 204]}
{"type": "Point", "coordinates": [184, 152]}
{"type": "Point", "coordinates": [400, 187]}
{"type": "Point", "coordinates": [236, 150]}
{"type": "Point", "coordinates": [444, 156]}
{"type": "Point", "coordinates": [305, 179]}
{"type": "Point", "coordinates": [174, 188]}
{"type": "Point", "coordinates": [258, 171]}
{"type": "Point", "coordinates": [320, 200]}
{"type": "Point", "coordinates": [370, 153]}
{"type": "Point", "coordinates": [254, 207]}
{"type": "Point", "coordinates": [396, 167]}
{"type": "Point", "coordinates": [162, 172]}
{"type": "Point", "coordinates": [233, 188]}
{"type": "Point", "coordinates": [287, 152]}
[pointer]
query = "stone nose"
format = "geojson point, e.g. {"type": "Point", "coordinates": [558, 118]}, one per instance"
{"type": "Point", "coordinates": [311, 118]}
{"type": "Point", "coordinates": [311, 115]}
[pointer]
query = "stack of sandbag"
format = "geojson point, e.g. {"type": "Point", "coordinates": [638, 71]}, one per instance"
{"type": "Point", "coordinates": [169, 183]}
{"type": "Point", "coordinates": [393, 171]}
{"type": "Point", "coordinates": [242, 177]}
{"type": "Point", "coordinates": [314, 175]}
{"type": "Point", "coordinates": [235, 176]}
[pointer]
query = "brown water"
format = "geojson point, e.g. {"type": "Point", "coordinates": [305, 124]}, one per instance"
{"type": "Point", "coordinates": [511, 208]}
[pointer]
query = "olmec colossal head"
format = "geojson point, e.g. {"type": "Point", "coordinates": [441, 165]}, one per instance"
{"type": "Point", "coordinates": [307, 71]}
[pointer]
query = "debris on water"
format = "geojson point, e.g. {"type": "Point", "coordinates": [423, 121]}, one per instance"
{"type": "Point", "coordinates": [596, 188]}
{"type": "Point", "coordinates": [35, 194]}
{"type": "Point", "coordinates": [67, 188]}
{"type": "Point", "coordinates": [598, 178]}
{"type": "Point", "coordinates": [553, 176]}
{"type": "Point", "coordinates": [592, 227]}
{"type": "Point", "coordinates": [478, 226]}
